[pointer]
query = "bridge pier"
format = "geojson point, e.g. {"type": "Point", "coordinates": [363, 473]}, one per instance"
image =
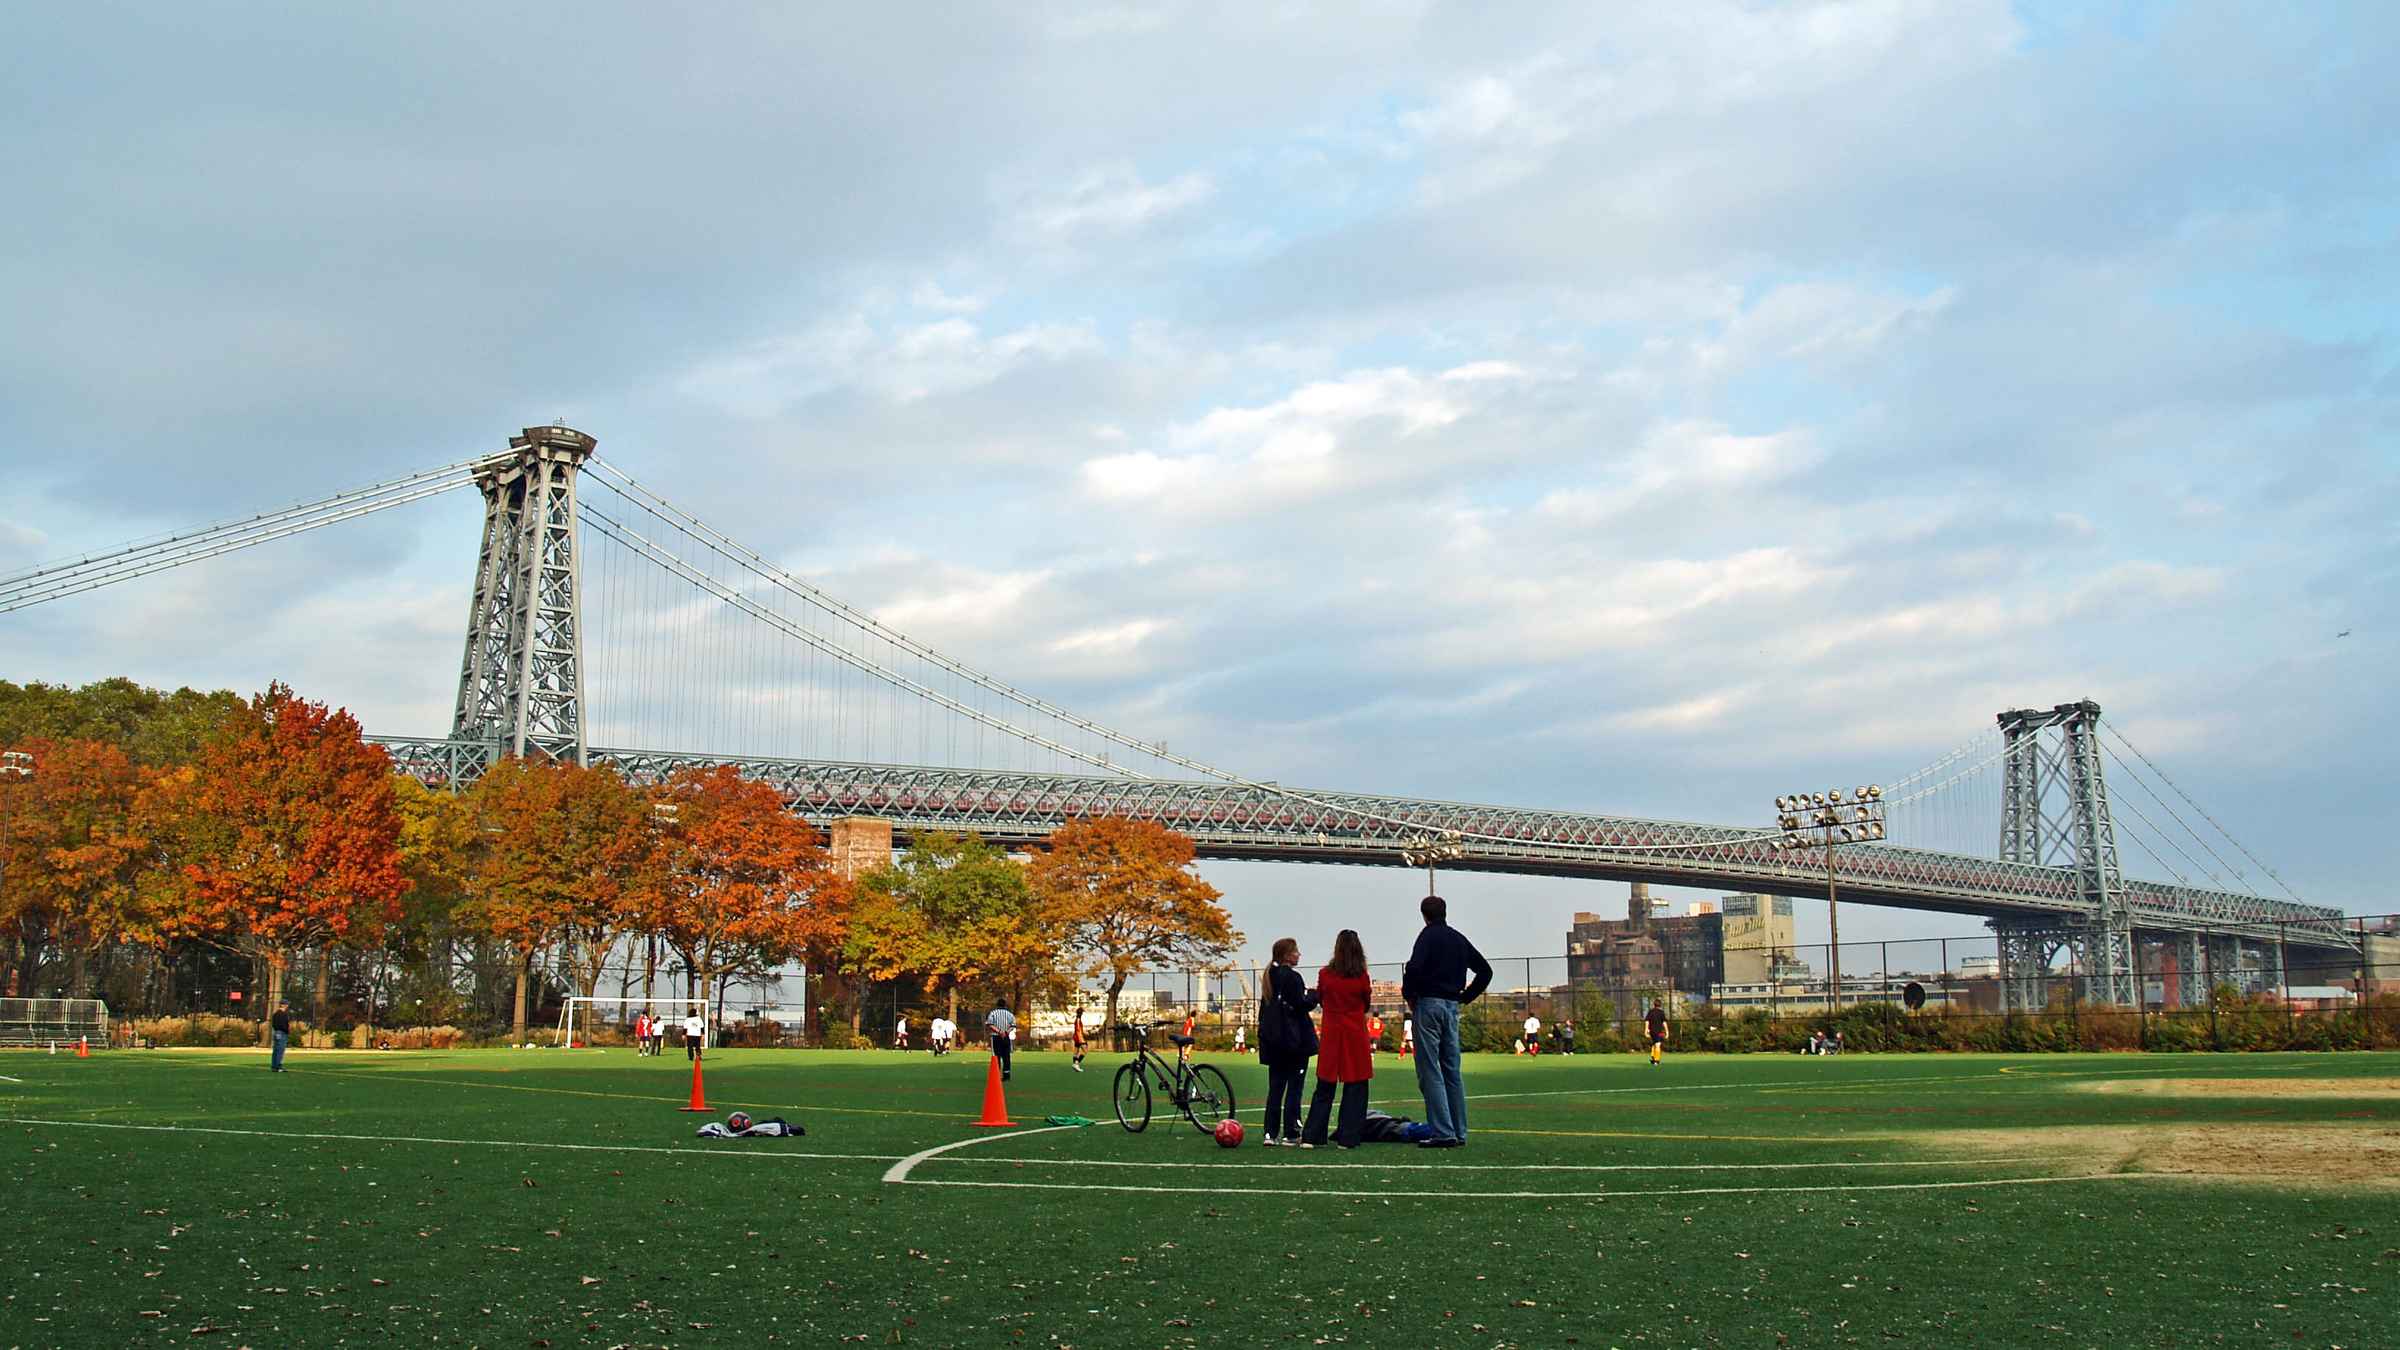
{"type": "Point", "coordinates": [2025, 953]}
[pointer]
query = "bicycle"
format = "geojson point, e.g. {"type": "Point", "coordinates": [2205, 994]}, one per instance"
{"type": "Point", "coordinates": [1198, 1092]}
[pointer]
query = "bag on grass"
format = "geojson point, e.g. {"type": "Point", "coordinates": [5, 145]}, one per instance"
{"type": "Point", "coordinates": [773, 1127]}
{"type": "Point", "coordinates": [1380, 1128]}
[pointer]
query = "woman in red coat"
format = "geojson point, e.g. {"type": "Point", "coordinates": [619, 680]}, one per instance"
{"type": "Point", "coordinates": [1342, 1050]}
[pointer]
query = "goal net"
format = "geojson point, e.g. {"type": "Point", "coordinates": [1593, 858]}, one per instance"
{"type": "Point", "coordinates": [580, 1015]}
{"type": "Point", "coordinates": [46, 1021]}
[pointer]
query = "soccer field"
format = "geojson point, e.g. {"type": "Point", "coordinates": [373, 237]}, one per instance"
{"type": "Point", "coordinates": [546, 1197]}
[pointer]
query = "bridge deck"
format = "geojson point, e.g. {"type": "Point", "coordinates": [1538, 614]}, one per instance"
{"type": "Point", "coordinates": [1297, 825]}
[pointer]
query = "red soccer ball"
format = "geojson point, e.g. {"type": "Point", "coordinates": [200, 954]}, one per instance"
{"type": "Point", "coordinates": [1228, 1134]}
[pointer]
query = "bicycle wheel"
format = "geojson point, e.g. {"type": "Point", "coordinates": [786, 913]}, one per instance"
{"type": "Point", "coordinates": [1209, 1099]}
{"type": "Point", "coordinates": [1133, 1099]}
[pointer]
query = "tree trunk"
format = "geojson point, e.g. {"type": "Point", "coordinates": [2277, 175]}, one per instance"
{"type": "Point", "coordinates": [324, 978]}
{"type": "Point", "coordinates": [1116, 987]}
{"type": "Point", "coordinates": [266, 1008]}
{"type": "Point", "coordinates": [953, 1000]}
{"type": "Point", "coordinates": [650, 968]}
{"type": "Point", "coordinates": [524, 967]}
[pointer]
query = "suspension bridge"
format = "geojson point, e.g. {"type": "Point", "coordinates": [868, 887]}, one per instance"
{"type": "Point", "coordinates": [607, 625]}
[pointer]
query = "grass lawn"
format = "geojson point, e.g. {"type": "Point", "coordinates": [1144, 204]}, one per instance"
{"type": "Point", "coordinates": [517, 1198]}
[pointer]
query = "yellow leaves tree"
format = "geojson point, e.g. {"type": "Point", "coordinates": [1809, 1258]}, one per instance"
{"type": "Point", "coordinates": [1124, 898]}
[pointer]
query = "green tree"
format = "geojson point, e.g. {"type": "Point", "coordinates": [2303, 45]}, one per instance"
{"type": "Point", "coordinates": [949, 911]}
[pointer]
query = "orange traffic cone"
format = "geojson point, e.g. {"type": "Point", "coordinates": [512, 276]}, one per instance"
{"type": "Point", "coordinates": [699, 1101]}
{"type": "Point", "coordinates": [83, 1047]}
{"type": "Point", "coordinates": [995, 1101]}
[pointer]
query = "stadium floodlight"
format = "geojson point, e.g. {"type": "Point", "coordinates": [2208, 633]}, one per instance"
{"type": "Point", "coordinates": [1425, 850]}
{"type": "Point", "coordinates": [1831, 821]}
{"type": "Point", "coordinates": [16, 766]}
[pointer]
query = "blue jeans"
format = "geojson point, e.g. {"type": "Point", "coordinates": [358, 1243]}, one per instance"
{"type": "Point", "coordinates": [1437, 1069]}
{"type": "Point", "coordinates": [282, 1039]}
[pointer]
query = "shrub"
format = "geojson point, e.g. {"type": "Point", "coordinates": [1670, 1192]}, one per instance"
{"type": "Point", "coordinates": [207, 1029]}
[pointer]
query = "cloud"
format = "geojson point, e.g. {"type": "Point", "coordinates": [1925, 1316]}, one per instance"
{"type": "Point", "coordinates": [1111, 200]}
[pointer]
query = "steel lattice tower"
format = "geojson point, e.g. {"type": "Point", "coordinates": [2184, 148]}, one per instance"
{"type": "Point", "coordinates": [2053, 757]}
{"type": "Point", "coordinates": [520, 685]}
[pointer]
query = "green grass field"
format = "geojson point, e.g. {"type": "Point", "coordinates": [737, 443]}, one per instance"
{"type": "Point", "coordinates": [558, 1198]}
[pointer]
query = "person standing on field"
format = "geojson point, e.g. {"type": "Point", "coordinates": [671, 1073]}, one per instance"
{"type": "Point", "coordinates": [1287, 1040]}
{"type": "Point", "coordinates": [900, 1033]}
{"type": "Point", "coordinates": [281, 1026]}
{"type": "Point", "coordinates": [1343, 1057]}
{"type": "Point", "coordinates": [695, 1028]}
{"type": "Point", "coordinates": [1003, 1025]}
{"type": "Point", "coordinates": [1079, 1038]}
{"type": "Point", "coordinates": [1444, 973]}
{"type": "Point", "coordinates": [1655, 1021]}
{"type": "Point", "coordinates": [641, 1034]}
{"type": "Point", "coordinates": [1533, 1034]}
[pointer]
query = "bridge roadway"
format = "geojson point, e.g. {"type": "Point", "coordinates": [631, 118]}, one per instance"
{"type": "Point", "coordinates": [1306, 825]}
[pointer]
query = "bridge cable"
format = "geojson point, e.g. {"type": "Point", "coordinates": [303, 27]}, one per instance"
{"type": "Point", "coordinates": [2214, 876]}
{"type": "Point", "coordinates": [678, 567]}
{"type": "Point", "coordinates": [2202, 810]}
{"type": "Point", "coordinates": [57, 580]}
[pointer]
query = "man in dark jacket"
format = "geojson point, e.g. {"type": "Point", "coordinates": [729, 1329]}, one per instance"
{"type": "Point", "coordinates": [1286, 1040]}
{"type": "Point", "coordinates": [281, 1025]}
{"type": "Point", "coordinates": [1434, 986]}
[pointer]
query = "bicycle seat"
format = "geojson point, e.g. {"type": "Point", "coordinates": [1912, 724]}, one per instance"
{"type": "Point", "coordinates": [1181, 1040]}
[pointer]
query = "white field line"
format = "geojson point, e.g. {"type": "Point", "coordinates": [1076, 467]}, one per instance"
{"type": "Point", "coordinates": [1224, 1191]}
{"type": "Point", "coordinates": [446, 1143]}
{"type": "Point", "coordinates": [1483, 1167]}
{"type": "Point", "coordinates": [1821, 1085]}
{"type": "Point", "coordinates": [900, 1170]}
{"type": "Point", "coordinates": [4, 1078]}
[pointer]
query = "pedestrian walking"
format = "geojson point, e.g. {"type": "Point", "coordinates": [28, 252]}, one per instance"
{"type": "Point", "coordinates": [1655, 1021]}
{"type": "Point", "coordinates": [1287, 1040]}
{"type": "Point", "coordinates": [1444, 972]}
{"type": "Point", "coordinates": [1003, 1025]}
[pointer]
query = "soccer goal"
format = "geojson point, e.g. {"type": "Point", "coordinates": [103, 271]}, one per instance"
{"type": "Point", "coordinates": [580, 1014]}
{"type": "Point", "coordinates": [53, 1021]}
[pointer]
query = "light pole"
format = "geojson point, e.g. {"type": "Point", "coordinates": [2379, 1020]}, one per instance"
{"type": "Point", "coordinates": [16, 766]}
{"type": "Point", "coordinates": [1426, 850]}
{"type": "Point", "coordinates": [1807, 817]}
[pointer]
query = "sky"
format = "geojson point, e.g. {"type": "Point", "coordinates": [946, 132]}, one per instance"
{"type": "Point", "coordinates": [1643, 409]}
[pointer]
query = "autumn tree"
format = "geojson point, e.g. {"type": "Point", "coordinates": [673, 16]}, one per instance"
{"type": "Point", "coordinates": [742, 880]}
{"type": "Point", "coordinates": [559, 858]}
{"type": "Point", "coordinates": [73, 855]}
{"type": "Point", "coordinates": [290, 834]}
{"type": "Point", "coordinates": [1123, 896]}
{"type": "Point", "coordinates": [950, 910]}
{"type": "Point", "coordinates": [438, 841]}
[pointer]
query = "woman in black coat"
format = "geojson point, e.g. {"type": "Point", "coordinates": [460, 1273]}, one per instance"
{"type": "Point", "coordinates": [1286, 1041]}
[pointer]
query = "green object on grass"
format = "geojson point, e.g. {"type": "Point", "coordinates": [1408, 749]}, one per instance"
{"type": "Point", "coordinates": [1069, 1120]}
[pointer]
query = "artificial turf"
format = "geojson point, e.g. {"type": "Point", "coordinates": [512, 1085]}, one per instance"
{"type": "Point", "coordinates": [430, 1199]}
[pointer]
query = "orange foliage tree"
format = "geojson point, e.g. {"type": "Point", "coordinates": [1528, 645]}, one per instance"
{"type": "Point", "coordinates": [289, 832]}
{"type": "Point", "coordinates": [1123, 894]}
{"type": "Point", "coordinates": [743, 881]}
{"type": "Point", "coordinates": [559, 860]}
{"type": "Point", "coordinates": [75, 851]}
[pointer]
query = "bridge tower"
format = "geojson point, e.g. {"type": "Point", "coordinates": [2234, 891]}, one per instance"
{"type": "Point", "coordinates": [2054, 812]}
{"type": "Point", "coordinates": [520, 685]}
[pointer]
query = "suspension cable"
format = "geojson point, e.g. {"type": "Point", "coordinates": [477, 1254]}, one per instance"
{"type": "Point", "coordinates": [2204, 815]}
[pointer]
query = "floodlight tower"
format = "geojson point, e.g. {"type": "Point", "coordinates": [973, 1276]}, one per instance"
{"type": "Point", "coordinates": [1808, 818]}
{"type": "Point", "coordinates": [1427, 850]}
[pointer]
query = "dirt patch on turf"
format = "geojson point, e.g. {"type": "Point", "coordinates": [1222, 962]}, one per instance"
{"type": "Point", "coordinates": [2344, 1155]}
{"type": "Point", "coordinates": [2369, 1087]}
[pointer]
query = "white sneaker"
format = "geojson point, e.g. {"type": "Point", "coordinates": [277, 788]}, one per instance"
{"type": "Point", "coordinates": [1270, 1142]}
{"type": "Point", "coordinates": [1078, 1068]}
